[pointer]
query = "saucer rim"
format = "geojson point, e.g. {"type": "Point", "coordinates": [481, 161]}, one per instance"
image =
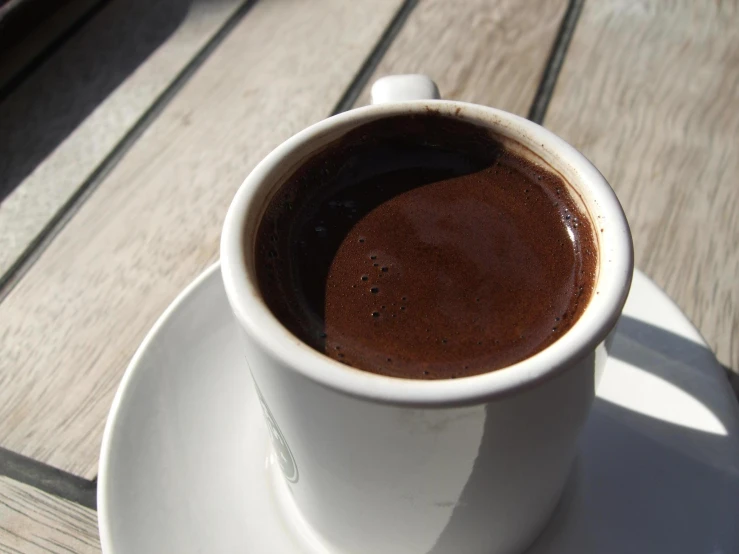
{"type": "Point", "coordinates": [105, 504]}
{"type": "Point", "coordinates": [123, 390]}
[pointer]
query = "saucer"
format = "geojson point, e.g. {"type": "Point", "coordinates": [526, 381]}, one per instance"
{"type": "Point", "coordinates": [185, 465]}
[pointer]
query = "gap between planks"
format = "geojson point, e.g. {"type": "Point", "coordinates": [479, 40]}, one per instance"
{"type": "Point", "coordinates": [648, 92]}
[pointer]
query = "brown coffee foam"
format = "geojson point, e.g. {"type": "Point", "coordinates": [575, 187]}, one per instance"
{"type": "Point", "coordinates": [451, 301]}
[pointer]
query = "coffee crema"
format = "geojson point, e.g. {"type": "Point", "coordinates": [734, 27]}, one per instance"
{"type": "Point", "coordinates": [420, 247]}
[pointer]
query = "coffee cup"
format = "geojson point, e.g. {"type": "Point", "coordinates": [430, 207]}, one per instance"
{"type": "Point", "coordinates": [368, 463]}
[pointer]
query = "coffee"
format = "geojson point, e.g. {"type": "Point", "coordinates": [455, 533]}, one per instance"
{"type": "Point", "coordinates": [421, 247]}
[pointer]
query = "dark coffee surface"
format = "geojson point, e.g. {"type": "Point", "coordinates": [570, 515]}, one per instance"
{"type": "Point", "coordinates": [419, 247]}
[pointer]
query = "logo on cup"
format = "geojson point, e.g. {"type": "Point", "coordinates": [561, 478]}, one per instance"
{"type": "Point", "coordinates": [279, 444]}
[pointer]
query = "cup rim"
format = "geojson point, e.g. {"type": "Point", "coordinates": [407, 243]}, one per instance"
{"type": "Point", "coordinates": [266, 332]}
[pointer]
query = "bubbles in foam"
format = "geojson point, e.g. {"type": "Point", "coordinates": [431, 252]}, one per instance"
{"type": "Point", "coordinates": [374, 290]}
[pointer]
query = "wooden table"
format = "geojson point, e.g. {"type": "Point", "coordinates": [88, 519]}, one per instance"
{"type": "Point", "coordinates": [127, 125]}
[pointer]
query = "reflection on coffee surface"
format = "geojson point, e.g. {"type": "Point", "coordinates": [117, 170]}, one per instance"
{"type": "Point", "coordinates": [420, 247]}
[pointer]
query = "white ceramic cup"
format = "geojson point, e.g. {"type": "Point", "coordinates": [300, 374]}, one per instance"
{"type": "Point", "coordinates": [376, 464]}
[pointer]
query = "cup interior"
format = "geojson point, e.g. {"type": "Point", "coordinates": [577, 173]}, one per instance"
{"type": "Point", "coordinates": [587, 188]}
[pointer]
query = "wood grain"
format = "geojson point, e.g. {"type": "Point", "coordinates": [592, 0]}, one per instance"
{"type": "Point", "coordinates": [650, 93]}
{"type": "Point", "coordinates": [33, 522]}
{"type": "Point", "coordinates": [64, 119]}
{"type": "Point", "coordinates": [69, 328]}
{"type": "Point", "coordinates": [488, 52]}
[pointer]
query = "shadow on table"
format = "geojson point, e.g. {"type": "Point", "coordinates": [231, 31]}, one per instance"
{"type": "Point", "coordinates": [45, 108]}
{"type": "Point", "coordinates": [643, 484]}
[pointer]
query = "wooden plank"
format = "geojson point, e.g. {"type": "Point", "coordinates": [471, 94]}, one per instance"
{"type": "Point", "coordinates": [650, 93]}
{"type": "Point", "coordinates": [488, 52]}
{"type": "Point", "coordinates": [33, 522]}
{"type": "Point", "coordinates": [69, 328]}
{"type": "Point", "coordinates": [61, 122]}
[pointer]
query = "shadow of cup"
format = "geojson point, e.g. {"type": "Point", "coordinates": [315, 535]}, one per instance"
{"type": "Point", "coordinates": [644, 484]}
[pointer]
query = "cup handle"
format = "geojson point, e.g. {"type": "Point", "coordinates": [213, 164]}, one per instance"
{"type": "Point", "coordinates": [402, 88]}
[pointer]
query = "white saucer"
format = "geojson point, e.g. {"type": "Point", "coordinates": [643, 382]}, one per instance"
{"type": "Point", "coordinates": [184, 466]}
